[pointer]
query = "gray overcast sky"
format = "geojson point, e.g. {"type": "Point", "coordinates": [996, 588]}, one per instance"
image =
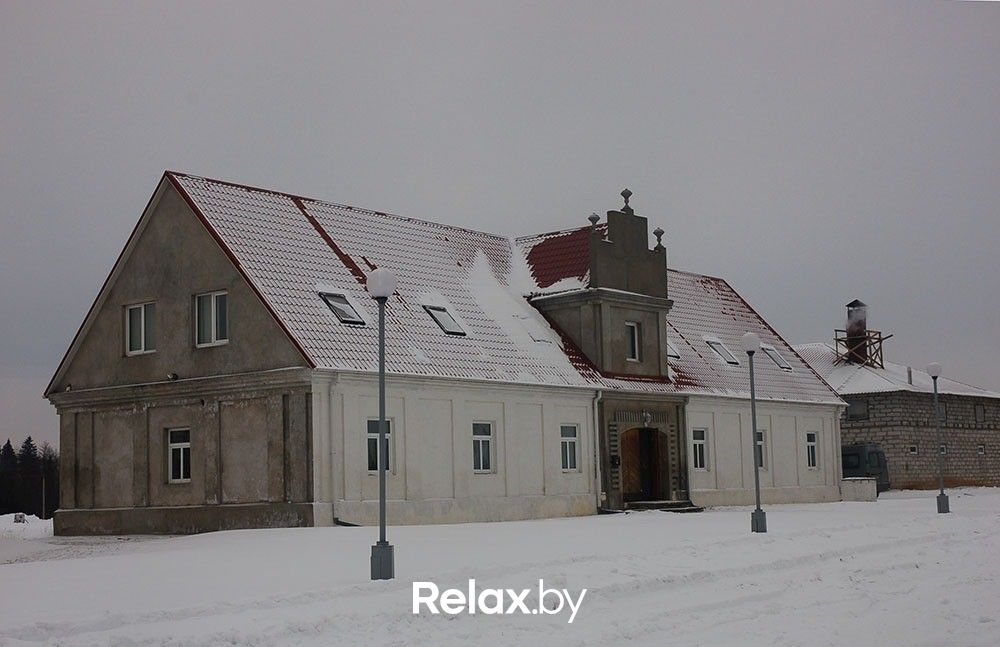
{"type": "Point", "coordinates": [808, 153]}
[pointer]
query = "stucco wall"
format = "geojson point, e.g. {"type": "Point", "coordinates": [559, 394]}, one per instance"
{"type": "Point", "coordinates": [728, 478]}
{"type": "Point", "coordinates": [173, 259]}
{"type": "Point", "coordinates": [432, 477]}
{"type": "Point", "coordinates": [246, 432]}
{"type": "Point", "coordinates": [896, 421]}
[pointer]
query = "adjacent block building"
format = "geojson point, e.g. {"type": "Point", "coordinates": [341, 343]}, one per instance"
{"type": "Point", "coordinates": [225, 376]}
{"type": "Point", "coordinates": [891, 405]}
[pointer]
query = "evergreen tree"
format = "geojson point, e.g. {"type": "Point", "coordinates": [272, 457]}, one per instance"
{"type": "Point", "coordinates": [50, 471]}
{"type": "Point", "coordinates": [8, 479]}
{"type": "Point", "coordinates": [29, 471]}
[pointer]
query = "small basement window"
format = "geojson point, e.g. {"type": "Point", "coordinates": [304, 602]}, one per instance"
{"type": "Point", "coordinates": [981, 450]}
{"type": "Point", "coordinates": [444, 319]}
{"type": "Point", "coordinates": [912, 449]}
{"type": "Point", "coordinates": [776, 357]}
{"type": "Point", "coordinates": [723, 352]}
{"type": "Point", "coordinates": [342, 308]}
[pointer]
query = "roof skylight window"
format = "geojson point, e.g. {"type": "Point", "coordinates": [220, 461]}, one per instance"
{"type": "Point", "coordinates": [341, 307]}
{"type": "Point", "coordinates": [723, 352]}
{"type": "Point", "coordinates": [444, 319]}
{"type": "Point", "coordinates": [776, 357]}
{"type": "Point", "coordinates": [672, 351]}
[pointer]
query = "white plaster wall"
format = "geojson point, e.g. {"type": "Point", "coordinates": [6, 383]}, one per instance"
{"type": "Point", "coordinates": [728, 478]}
{"type": "Point", "coordinates": [431, 479]}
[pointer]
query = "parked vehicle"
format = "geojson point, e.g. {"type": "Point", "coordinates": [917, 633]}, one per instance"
{"type": "Point", "coordinates": [866, 459]}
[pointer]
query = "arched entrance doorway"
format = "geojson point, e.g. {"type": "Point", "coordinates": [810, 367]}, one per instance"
{"type": "Point", "coordinates": [645, 461]}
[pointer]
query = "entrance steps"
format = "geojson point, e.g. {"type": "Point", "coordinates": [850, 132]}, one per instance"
{"type": "Point", "coordinates": [666, 506]}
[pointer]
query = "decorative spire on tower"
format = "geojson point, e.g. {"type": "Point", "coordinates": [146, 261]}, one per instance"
{"type": "Point", "coordinates": [627, 194]}
{"type": "Point", "coordinates": [658, 232]}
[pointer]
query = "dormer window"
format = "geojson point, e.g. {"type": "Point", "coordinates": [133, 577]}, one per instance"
{"type": "Point", "coordinates": [776, 357]}
{"type": "Point", "coordinates": [444, 319]}
{"type": "Point", "coordinates": [723, 352]}
{"type": "Point", "coordinates": [342, 308]}
{"type": "Point", "coordinates": [633, 341]}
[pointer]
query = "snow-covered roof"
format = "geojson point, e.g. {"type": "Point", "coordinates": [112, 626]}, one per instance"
{"type": "Point", "coordinates": [292, 248]}
{"type": "Point", "coordinates": [855, 379]}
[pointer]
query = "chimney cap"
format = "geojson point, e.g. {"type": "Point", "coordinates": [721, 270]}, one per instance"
{"type": "Point", "coordinates": [857, 303]}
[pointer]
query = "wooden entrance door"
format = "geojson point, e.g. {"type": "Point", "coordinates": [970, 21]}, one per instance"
{"type": "Point", "coordinates": [640, 464]}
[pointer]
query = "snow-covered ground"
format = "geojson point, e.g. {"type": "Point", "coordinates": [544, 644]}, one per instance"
{"type": "Point", "coordinates": [887, 573]}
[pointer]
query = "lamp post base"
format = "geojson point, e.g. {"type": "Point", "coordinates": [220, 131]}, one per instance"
{"type": "Point", "coordinates": [383, 561]}
{"type": "Point", "coordinates": [942, 501]}
{"type": "Point", "coordinates": [758, 521]}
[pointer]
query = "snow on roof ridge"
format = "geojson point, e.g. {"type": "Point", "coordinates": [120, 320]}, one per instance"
{"type": "Point", "coordinates": [363, 210]}
{"type": "Point", "coordinates": [558, 232]}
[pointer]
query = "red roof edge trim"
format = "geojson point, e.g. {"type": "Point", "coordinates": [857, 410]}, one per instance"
{"type": "Point", "coordinates": [344, 258]}
{"type": "Point", "coordinates": [362, 210]}
{"type": "Point", "coordinates": [107, 280]}
{"type": "Point", "coordinates": [239, 267]}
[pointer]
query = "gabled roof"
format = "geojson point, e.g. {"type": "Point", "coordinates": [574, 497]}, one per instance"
{"type": "Point", "coordinates": [291, 249]}
{"type": "Point", "coordinates": [856, 379]}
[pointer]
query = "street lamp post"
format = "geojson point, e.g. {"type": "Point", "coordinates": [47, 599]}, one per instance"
{"type": "Point", "coordinates": [758, 520]}
{"type": "Point", "coordinates": [381, 284]}
{"type": "Point", "coordinates": [934, 370]}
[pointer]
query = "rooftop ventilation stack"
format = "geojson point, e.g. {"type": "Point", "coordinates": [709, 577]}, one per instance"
{"type": "Point", "coordinates": [857, 332]}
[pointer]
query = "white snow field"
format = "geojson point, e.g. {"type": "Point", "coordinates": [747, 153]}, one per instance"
{"type": "Point", "coordinates": [887, 573]}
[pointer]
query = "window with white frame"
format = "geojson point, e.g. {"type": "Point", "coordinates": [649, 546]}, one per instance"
{"type": "Point", "coordinates": [699, 447]}
{"type": "Point", "coordinates": [373, 452]}
{"type": "Point", "coordinates": [981, 449]}
{"type": "Point", "coordinates": [722, 351]}
{"type": "Point", "coordinates": [913, 450]}
{"type": "Point", "coordinates": [140, 328]}
{"type": "Point", "coordinates": [812, 456]}
{"type": "Point", "coordinates": [178, 455]}
{"type": "Point", "coordinates": [482, 447]}
{"type": "Point", "coordinates": [760, 451]}
{"type": "Point", "coordinates": [633, 341]}
{"type": "Point", "coordinates": [776, 357]}
{"type": "Point", "coordinates": [943, 448]}
{"type": "Point", "coordinates": [341, 308]}
{"type": "Point", "coordinates": [211, 317]}
{"type": "Point", "coordinates": [444, 319]}
{"type": "Point", "coordinates": [568, 437]}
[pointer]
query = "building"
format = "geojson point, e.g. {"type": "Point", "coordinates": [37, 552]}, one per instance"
{"type": "Point", "coordinates": [225, 376]}
{"type": "Point", "coordinates": [892, 405]}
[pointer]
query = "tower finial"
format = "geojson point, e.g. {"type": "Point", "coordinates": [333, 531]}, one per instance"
{"type": "Point", "coordinates": [627, 194]}
{"type": "Point", "coordinates": [658, 232]}
{"type": "Point", "coordinates": [594, 219]}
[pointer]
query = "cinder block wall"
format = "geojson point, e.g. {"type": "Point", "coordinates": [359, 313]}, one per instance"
{"type": "Point", "coordinates": [899, 420]}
